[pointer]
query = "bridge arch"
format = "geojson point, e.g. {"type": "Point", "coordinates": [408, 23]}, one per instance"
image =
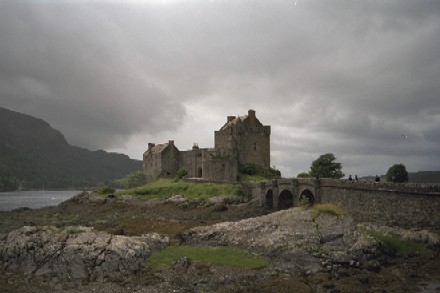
{"type": "Point", "coordinates": [306, 194]}
{"type": "Point", "coordinates": [269, 199]}
{"type": "Point", "coordinates": [285, 199]}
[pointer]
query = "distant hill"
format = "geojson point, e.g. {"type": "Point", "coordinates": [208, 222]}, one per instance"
{"type": "Point", "coordinates": [415, 177]}
{"type": "Point", "coordinates": [34, 155]}
{"type": "Point", "coordinates": [424, 177]}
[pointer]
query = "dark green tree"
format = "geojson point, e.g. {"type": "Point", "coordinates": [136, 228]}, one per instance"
{"type": "Point", "coordinates": [7, 180]}
{"type": "Point", "coordinates": [397, 173]}
{"type": "Point", "coordinates": [326, 167]}
{"type": "Point", "coordinates": [182, 172]}
{"type": "Point", "coordinates": [134, 179]}
{"type": "Point", "coordinates": [303, 175]}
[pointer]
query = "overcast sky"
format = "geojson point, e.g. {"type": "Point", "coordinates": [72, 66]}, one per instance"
{"type": "Point", "coordinates": [347, 77]}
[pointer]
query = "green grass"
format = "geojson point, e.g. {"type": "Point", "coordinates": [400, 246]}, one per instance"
{"type": "Point", "coordinates": [327, 208]}
{"type": "Point", "coordinates": [217, 255]}
{"type": "Point", "coordinates": [104, 190]}
{"type": "Point", "coordinates": [396, 246]}
{"type": "Point", "coordinates": [244, 178]}
{"type": "Point", "coordinates": [164, 188]}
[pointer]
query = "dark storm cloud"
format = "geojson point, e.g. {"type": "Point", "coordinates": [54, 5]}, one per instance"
{"type": "Point", "coordinates": [71, 65]}
{"type": "Point", "coordinates": [348, 77]}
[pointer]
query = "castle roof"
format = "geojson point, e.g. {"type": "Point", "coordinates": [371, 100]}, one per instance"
{"type": "Point", "coordinates": [157, 149]}
{"type": "Point", "coordinates": [160, 147]}
{"type": "Point", "coordinates": [236, 120]}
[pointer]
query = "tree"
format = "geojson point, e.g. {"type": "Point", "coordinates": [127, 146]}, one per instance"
{"type": "Point", "coordinates": [397, 173]}
{"type": "Point", "coordinates": [303, 175]}
{"type": "Point", "coordinates": [182, 172]}
{"type": "Point", "coordinates": [326, 167]}
{"type": "Point", "coordinates": [8, 182]}
{"type": "Point", "coordinates": [134, 179]}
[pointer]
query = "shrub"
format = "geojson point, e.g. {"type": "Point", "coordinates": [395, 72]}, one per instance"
{"type": "Point", "coordinates": [395, 246]}
{"type": "Point", "coordinates": [105, 190]}
{"type": "Point", "coordinates": [304, 202]}
{"type": "Point", "coordinates": [328, 208]}
{"type": "Point", "coordinates": [182, 172]}
{"type": "Point", "coordinates": [303, 175]}
{"type": "Point", "coordinates": [252, 172]}
{"type": "Point", "coordinates": [134, 179]}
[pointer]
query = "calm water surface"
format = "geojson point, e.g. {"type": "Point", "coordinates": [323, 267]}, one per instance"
{"type": "Point", "coordinates": [33, 199]}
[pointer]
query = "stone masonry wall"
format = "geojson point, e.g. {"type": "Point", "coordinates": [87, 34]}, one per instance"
{"type": "Point", "coordinates": [405, 205]}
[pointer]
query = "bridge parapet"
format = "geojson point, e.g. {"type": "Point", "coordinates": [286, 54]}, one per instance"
{"type": "Point", "coordinates": [370, 185]}
{"type": "Point", "coordinates": [405, 204]}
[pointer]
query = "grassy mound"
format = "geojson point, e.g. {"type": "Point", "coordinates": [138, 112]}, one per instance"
{"type": "Point", "coordinates": [212, 255]}
{"type": "Point", "coordinates": [164, 188]}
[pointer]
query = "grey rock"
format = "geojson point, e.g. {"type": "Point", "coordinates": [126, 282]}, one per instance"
{"type": "Point", "coordinates": [76, 253]}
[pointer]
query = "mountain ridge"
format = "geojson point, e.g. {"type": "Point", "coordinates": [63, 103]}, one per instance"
{"type": "Point", "coordinates": [33, 155]}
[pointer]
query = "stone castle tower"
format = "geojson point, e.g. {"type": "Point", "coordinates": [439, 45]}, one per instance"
{"type": "Point", "coordinates": [241, 140]}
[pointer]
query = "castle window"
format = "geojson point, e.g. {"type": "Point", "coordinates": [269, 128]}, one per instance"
{"type": "Point", "coordinates": [255, 146]}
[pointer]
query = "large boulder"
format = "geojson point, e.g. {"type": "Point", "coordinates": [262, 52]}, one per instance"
{"type": "Point", "coordinates": [282, 230]}
{"type": "Point", "coordinates": [76, 253]}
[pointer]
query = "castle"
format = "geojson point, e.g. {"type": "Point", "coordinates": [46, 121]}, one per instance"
{"type": "Point", "coordinates": [241, 140]}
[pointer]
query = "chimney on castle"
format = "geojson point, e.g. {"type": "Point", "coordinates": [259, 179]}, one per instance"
{"type": "Point", "coordinates": [230, 118]}
{"type": "Point", "coordinates": [171, 142]}
{"type": "Point", "coordinates": [251, 115]}
{"type": "Point", "coordinates": [150, 146]}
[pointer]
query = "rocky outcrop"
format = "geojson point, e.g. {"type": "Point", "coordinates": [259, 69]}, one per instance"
{"type": "Point", "coordinates": [305, 239]}
{"type": "Point", "coordinates": [297, 242]}
{"type": "Point", "coordinates": [281, 230]}
{"type": "Point", "coordinates": [76, 253]}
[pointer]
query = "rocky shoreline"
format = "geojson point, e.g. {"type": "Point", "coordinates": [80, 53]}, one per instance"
{"type": "Point", "coordinates": [309, 252]}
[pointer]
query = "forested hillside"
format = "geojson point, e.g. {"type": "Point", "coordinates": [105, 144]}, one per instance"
{"type": "Point", "coordinates": [424, 177]}
{"type": "Point", "coordinates": [34, 155]}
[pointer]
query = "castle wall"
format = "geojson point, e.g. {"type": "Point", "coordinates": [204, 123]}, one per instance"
{"type": "Point", "coordinates": [161, 161]}
{"type": "Point", "coordinates": [169, 163]}
{"type": "Point", "coordinates": [192, 161]}
{"type": "Point", "coordinates": [248, 137]}
{"type": "Point", "coordinates": [152, 165]}
{"type": "Point", "coordinates": [254, 146]}
{"type": "Point", "coordinates": [220, 167]}
{"type": "Point", "coordinates": [210, 164]}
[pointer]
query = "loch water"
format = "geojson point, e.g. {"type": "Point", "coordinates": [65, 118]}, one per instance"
{"type": "Point", "coordinates": [34, 199]}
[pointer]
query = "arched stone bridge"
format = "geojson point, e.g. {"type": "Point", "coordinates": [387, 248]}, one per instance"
{"type": "Point", "coordinates": [412, 205]}
{"type": "Point", "coordinates": [286, 193]}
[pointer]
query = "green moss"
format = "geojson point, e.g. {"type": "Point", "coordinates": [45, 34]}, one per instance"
{"type": "Point", "coordinates": [74, 231]}
{"type": "Point", "coordinates": [327, 208]}
{"type": "Point", "coordinates": [218, 255]}
{"type": "Point", "coordinates": [395, 246]}
{"type": "Point", "coordinates": [244, 178]}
